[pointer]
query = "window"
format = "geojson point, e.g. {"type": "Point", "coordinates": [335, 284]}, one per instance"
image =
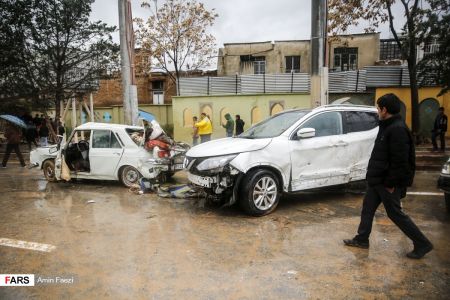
{"type": "Point", "coordinates": [276, 108]}
{"type": "Point", "coordinates": [104, 139]}
{"type": "Point", "coordinates": [157, 85]}
{"type": "Point", "coordinates": [258, 63]}
{"type": "Point", "coordinates": [345, 59]}
{"type": "Point", "coordinates": [389, 50]}
{"type": "Point", "coordinates": [292, 64]}
{"type": "Point", "coordinates": [81, 135]}
{"type": "Point", "coordinates": [356, 121]}
{"type": "Point", "coordinates": [256, 115]}
{"type": "Point", "coordinates": [329, 123]}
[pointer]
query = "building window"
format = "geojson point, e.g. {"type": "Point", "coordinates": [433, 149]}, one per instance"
{"type": "Point", "coordinates": [158, 85]}
{"type": "Point", "coordinates": [389, 50]}
{"type": "Point", "coordinates": [292, 64]}
{"type": "Point", "coordinates": [276, 108]}
{"type": "Point", "coordinates": [431, 47]}
{"type": "Point", "coordinates": [256, 115]}
{"type": "Point", "coordinates": [345, 59]}
{"type": "Point", "coordinates": [258, 63]}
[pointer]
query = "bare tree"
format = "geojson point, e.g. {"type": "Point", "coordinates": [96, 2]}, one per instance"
{"type": "Point", "coordinates": [176, 36]}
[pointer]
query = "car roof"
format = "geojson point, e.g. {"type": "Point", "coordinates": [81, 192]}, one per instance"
{"type": "Point", "coordinates": [95, 125]}
{"type": "Point", "coordinates": [346, 107]}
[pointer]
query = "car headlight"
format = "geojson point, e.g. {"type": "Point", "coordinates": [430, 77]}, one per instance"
{"type": "Point", "coordinates": [214, 163]}
{"type": "Point", "coordinates": [446, 168]}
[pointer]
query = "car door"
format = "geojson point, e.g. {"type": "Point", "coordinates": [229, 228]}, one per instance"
{"type": "Point", "coordinates": [104, 154]}
{"type": "Point", "coordinates": [321, 160]}
{"type": "Point", "coordinates": [360, 131]}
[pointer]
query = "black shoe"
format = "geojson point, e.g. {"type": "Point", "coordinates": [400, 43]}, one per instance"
{"type": "Point", "coordinates": [420, 252]}
{"type": "Point", "coordinates": [356, 243]}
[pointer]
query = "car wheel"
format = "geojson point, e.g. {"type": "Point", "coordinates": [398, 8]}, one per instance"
{"type": "Point", "coordinates": [129, 176]}
{"type": "Point", "coordinates": [49, 170]}
{"type": "Point", "coordinates": [260, 193]}
{"type": "Point", "coordinates": [447, 201]}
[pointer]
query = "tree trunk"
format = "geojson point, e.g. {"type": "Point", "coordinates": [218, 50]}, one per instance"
{"type": "Point", "coordinates": [415, 118]}
{"type": "Point", "coordinates": [58, 98]}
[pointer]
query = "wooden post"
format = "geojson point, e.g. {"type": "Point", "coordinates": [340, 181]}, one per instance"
{"type": "Point", "coordinates": [91, 105]}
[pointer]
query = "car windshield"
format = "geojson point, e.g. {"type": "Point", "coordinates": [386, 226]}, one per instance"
{"type": "Point", "coordinates": [274, 126]}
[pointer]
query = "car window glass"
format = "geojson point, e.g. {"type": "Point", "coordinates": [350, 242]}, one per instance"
{"type": "Point", "coordinates": [81, 135]}
{"type": "Point", "coordinates": [356, 121]}
{"type": "Point", "coordinates": [114, 142]}
{"type": "Point", "coordinates": [101, 139]}
{"type": "Point", "coordinates": [273, 126]}
{"type": "Point", "coordinates": [329, 123]}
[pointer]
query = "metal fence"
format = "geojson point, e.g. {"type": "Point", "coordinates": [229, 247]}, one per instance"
{"type": "Point", "coordinates": [338, 82]}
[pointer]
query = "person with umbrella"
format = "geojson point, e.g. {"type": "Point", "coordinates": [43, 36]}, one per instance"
{"type": "Point", "coordinates": [13, 136]}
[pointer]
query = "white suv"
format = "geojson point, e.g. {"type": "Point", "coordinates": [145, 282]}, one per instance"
{"type": "Point", "coordinates": [292, 151]}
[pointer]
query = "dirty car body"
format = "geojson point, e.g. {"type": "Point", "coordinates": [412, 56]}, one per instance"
{"type": "Point", "coordinates": [292, 151]}
{"type": "Point", "coordinates": [444, 183]}
{"type": "Point", "coordinates": [106, 152]}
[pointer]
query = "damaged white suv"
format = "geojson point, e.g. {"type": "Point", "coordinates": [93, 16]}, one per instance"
{"type": "Point", "coordinates": [292, 151]}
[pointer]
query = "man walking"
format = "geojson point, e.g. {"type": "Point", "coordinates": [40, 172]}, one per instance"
{"type": "Point", "coordinates": [204, 128]}
{"type": "Point", "coordinates": [13, 136]}
{"type": "Point", "coordinates": [390, 171]}
{"type": "Point", "coordinates": [439, 129]}
{"type": "Point", "coordinates": [229, 125]}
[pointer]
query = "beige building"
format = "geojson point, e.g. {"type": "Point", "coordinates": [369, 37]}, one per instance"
{"type": "Point", "coordinates": [346, 52]}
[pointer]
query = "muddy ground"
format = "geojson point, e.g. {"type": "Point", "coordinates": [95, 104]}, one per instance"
{"type": "Point", "coordinates": [116, 244]}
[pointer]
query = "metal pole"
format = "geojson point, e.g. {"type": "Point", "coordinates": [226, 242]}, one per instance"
{"type": "Point", "coordinates": [318, 35]}
{"type": "Point", "coordinates": [125, 62]}
{"type": "Point", "coordinates": [74, 113]}
{"type": "Point", "coordinates": [91, 107]}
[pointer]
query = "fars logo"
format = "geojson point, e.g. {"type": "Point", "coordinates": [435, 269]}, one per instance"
{"type": "Point", "coordinates": [16, 279]}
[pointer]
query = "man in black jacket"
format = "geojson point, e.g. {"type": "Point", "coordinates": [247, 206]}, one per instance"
{"type": "Point", "coordinates": [390, 171]}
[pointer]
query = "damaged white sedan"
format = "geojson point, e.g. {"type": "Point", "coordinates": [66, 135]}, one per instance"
{"type": "Point", "coordinates": [292, 151]}
{"type": "Point", "coordinates": [108, 152]}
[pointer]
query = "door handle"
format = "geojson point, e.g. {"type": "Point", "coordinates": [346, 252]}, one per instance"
{"type": "Point", "coordinates": [341, 144]}
{"type": "Point", "coordinates": [116, 153]}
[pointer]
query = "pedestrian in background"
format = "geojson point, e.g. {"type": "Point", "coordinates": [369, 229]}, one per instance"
{"type": "Point", "coordinates": [390, 171]}
{"type": "Point", "coordinates": [439, 129]}
{"type": "Point", "coordinates": [194, 131]}
{"type": "Point", "coordinates": [43, 134]}
{"type": "Point", "coordinates": [31, 134]}
{"type": "Point", "coordinates": [229, 125]}
{"type": "Point", "coordinates": [204, 128]}
{"type": "Point", "coordinates": [13, 136]}
{"type": "Point", "coordinates": [239, 125]}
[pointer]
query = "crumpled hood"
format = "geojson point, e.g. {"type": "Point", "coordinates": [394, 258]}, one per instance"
{"type": "Point", "coordinates": [227, 146]}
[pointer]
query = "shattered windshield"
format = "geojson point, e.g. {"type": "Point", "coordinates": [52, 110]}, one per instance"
{"type": "Point", "coordinates": [274, 126]}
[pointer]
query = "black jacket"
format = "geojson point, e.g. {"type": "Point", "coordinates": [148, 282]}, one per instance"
{"type": "Point", "coordinates": [440, 123]}
{"type": "Point", "coordinates": [239, 126]}
{"type": "Point", "coordinates": [392, 162]}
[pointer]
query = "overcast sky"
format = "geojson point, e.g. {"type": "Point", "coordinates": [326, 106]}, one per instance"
{"type": "Point", "coordinates": [240, 20]}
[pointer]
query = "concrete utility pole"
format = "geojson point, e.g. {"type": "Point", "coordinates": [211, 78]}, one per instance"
{"type": "Point", "coordinates": [319, 72]}
{"type": "Point", "coordinates": [130, 103]}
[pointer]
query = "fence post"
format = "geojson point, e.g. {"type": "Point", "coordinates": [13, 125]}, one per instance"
{"type": "Point", "coordinates": [401, 75]}
{"type": "Point", "coordinates": [357, 80]}
{"type": "Point", "coordinates": [207, 87]}
{"type": "Point", "coordinates": [236, 83]}
{"type": "Point", "coordinates": [292, 81]}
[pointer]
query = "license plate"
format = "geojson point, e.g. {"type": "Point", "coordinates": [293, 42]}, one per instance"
{"type": "Point", "coordinates": [178, 167]}
{"type": "Point", "coordinates": [200, 180]}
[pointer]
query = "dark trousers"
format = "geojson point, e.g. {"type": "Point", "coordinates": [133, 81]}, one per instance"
{"type": "Point", "coordinates": [9, 149]}
{"type": "Point", "coordinates": [441, 135]}
{"type": "Point", "coordinates": [374, 196]}
{"type": "Point", "coordinates": [31, 140]}
{"type": "Point", "coordinates": [205, 138]}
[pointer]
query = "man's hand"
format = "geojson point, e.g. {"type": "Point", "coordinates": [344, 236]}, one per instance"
{"type": "Point", "coordinates": [390, 190]}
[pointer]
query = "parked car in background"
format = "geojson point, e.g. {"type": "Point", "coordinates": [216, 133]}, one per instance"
{"type": "Point", "coordinates": [444, 183]}
{"type": "Point", "coordinates": [292, 151]}
{"type": "Point", "coordinates": [107, 152]}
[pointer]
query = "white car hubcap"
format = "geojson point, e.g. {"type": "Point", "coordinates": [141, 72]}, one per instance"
{"type": "Point", "coordinates": [265, 193]}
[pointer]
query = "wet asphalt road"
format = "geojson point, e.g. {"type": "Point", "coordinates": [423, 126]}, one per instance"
{"type": "Point", "coordinates": [127, 246]}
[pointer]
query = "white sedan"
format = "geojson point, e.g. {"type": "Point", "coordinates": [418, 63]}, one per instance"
{"type": "Point", "coordinates": [105, 152]}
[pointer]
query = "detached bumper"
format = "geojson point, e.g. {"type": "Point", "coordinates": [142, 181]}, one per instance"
{"type": "Point", "coordinates": [444, 183]}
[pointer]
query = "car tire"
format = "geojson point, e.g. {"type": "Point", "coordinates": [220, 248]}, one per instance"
{"type": "Point", "coordinates": [129, 176]}
{"type": "Point", "coordinates": [259, 193]}
{"type": "Point", "coordinates": [49, 170]}
{"type": "Point", "coordinates": [447, 201]}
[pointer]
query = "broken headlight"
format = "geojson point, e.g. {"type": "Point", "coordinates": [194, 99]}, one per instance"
{"type": "Point", "coordinates": [215, 163]}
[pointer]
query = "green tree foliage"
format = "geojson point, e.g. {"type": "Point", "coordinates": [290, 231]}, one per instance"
{"type": "Point", "coordinates": [434, 68]}
{"type": "Point", "coordinates": [50, 50]}
{"type": "Point", "coordinates": [344, 14]}
{"type": "Point", "coordinates": [176, 36]}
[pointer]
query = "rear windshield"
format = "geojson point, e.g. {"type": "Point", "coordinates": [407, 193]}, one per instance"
{"type": "Point", "coordinates": [274, 126]}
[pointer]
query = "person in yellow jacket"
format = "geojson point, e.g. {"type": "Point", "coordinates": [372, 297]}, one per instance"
{"type": "Point", "coordinates": [204, 128]}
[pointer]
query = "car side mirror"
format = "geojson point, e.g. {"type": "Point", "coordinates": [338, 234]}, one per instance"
{"type": "Point", "coordinates": [306, 133]}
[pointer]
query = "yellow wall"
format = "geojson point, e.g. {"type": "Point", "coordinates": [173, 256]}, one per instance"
{"type": "Point", "coordinates": [234, 104]}
{"type": "Point", "coordinates": [424, 93]}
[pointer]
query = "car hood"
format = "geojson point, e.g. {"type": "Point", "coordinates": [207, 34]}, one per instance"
{"type": "Point", "coordinates": [227, 146]}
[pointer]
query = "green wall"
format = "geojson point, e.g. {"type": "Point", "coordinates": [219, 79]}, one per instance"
{"type": "Point", "coordinates": [233, 104]}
